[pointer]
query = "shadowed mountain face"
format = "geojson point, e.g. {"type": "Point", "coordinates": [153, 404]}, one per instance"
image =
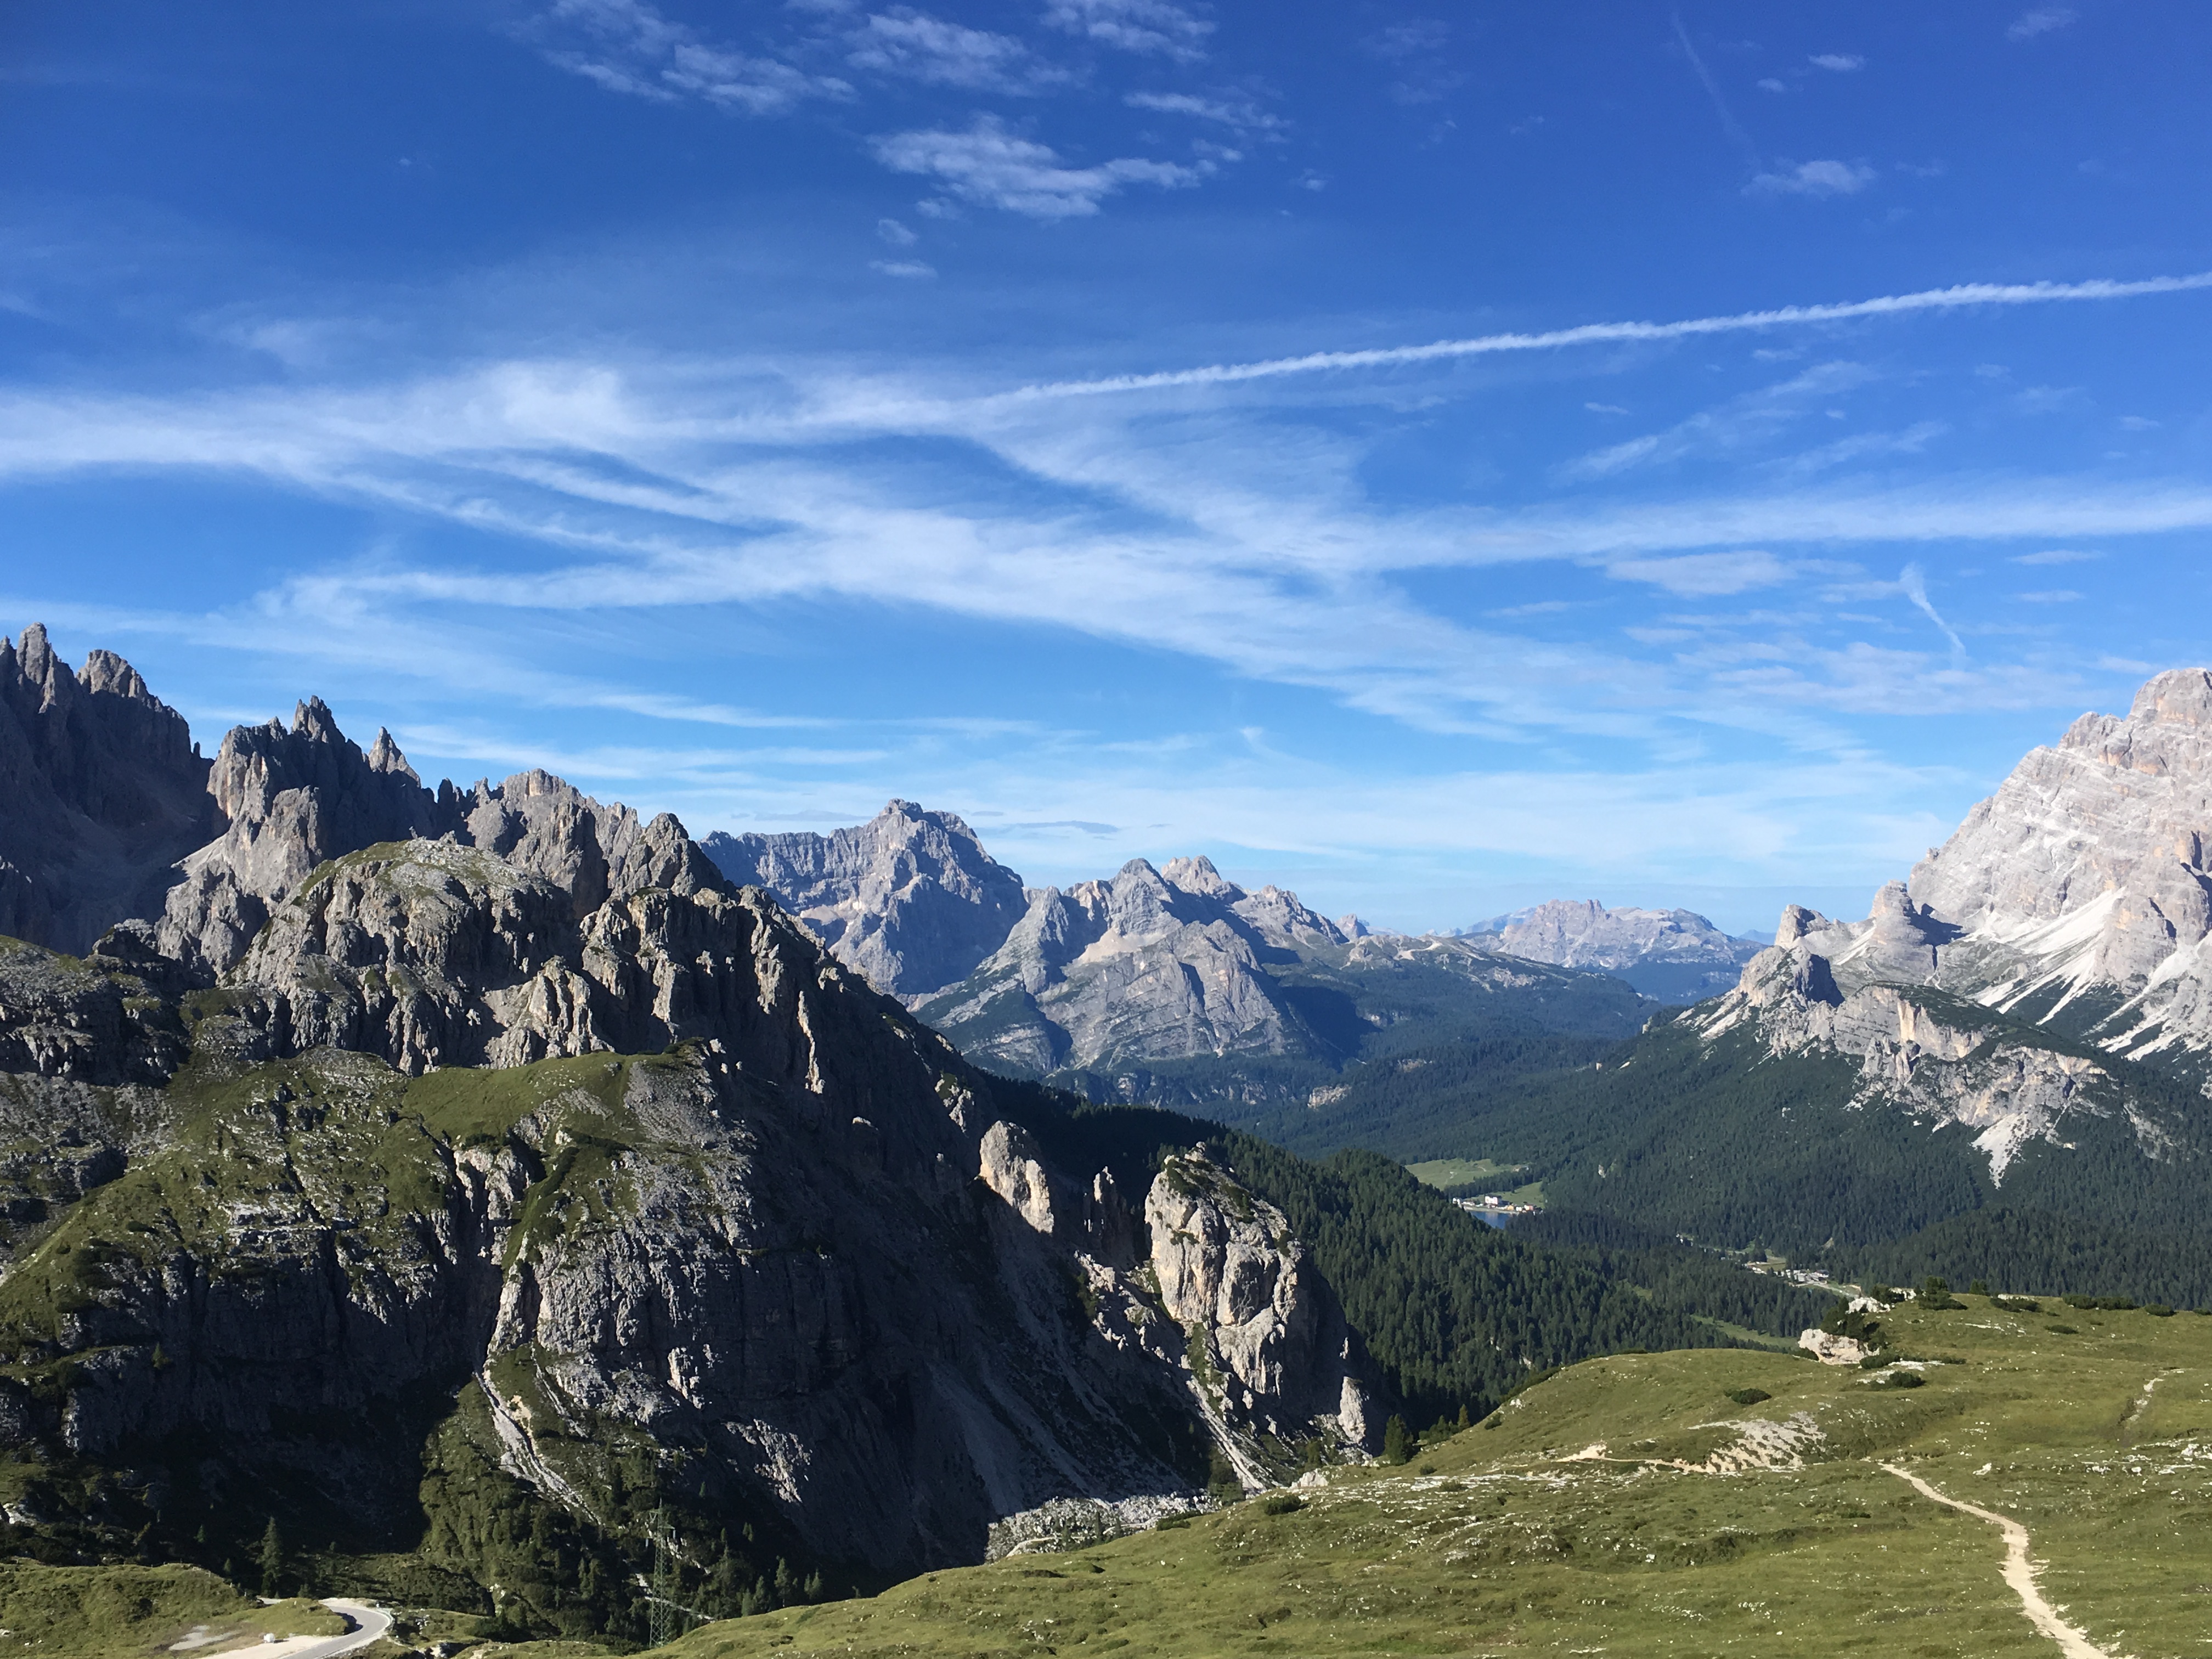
{"type": "Point", "coordinates": [104, 792]}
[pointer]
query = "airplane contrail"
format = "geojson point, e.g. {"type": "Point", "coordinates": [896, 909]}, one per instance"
{"type": "Point", "coordinates": [1934, 299]}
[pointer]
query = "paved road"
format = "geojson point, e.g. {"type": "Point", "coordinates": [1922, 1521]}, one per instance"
{"type": "Point", "coordinates": [2019, 1572]}
{"type": "Point", "coordinates": [369, 1624]}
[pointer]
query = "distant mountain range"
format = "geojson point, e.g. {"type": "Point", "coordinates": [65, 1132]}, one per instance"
{"type": "Point", "coordinates": [1670, 956]}
{"type": "Point", "coordinates": [1174, 984]}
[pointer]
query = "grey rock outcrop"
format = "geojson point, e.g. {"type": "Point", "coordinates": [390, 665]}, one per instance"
{"type": "Point", "coordinates": [1279, 1359]}
{"type": "Point", "coordinates": [103, 791]}
{"type": "Point", "coordinates": [284, 802]}
{"type": "Point", "coordinates": [910, 898]}
{"type": "Point", "coordinates": [288, 801]}
{"type": "Point", "coordinates": [1673, 956]}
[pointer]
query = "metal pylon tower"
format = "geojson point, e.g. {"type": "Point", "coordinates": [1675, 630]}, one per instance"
{"type": "Point", "coordinates": [664, 1620]}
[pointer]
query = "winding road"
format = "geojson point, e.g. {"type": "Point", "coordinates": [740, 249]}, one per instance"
{"type": "Point", "coordinates": [368, 1624]}
{"type": "Point", "coordinates": [2019, 1572]}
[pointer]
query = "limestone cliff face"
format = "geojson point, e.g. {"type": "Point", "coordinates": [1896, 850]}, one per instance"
{"type": "Point", "coordinates": [1278, 1357]}
{"type": "Point", "coordinates": [911, 898]}
{"type": "Point", "coordinates": [102, 791]}
{"type": "Point", "coordinates": [663, 1176]}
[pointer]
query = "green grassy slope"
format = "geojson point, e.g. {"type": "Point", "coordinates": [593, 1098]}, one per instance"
{"type": "Point", "coordinates": [1631, 1506]}
{"type": "Point", "coordinates": [92, 1613]}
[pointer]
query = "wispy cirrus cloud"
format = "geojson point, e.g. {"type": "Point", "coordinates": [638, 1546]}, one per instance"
{"type": "Point", "coordinates": [2039, 19]}
{"type": "Point", "coordinates": [1241, 114]}
{"type": "Point", "coordinates": [1705, 574]}
{"type": "Point", "coordinates": [993, 166]}
{"type": "Point", "coordinates": [1837, 63]}
{"type": "Point", "coordinates": [1749, 419]}
{"type": "Point", "coordinates": [1138, 26]}
{"type": "Point", "coordinates": [1813, 179]}
{"type": "Point", "coordinates": [1244, 538]}
{"type": "Point", "coordinates": [627, 46]}
{"type": "Point", "coordinates": [920, 47]}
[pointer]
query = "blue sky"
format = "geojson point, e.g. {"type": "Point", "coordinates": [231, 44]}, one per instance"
{"type": "Point", "coordinates": [757, 411]}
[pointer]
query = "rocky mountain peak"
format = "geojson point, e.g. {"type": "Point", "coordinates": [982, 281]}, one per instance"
{"type": "Point", "coordinates": [384, 756]}
{"type": "Point", "coordinates": [2076, 897]}
{"type": "Point", "coordinates": [2181, 697]}
{"type": "Point", "coordinates": [910, 898]}
{"type": "Point", "coordinates": [103, 791]}
{"type": "Point", "coordinates": [1197, 875]}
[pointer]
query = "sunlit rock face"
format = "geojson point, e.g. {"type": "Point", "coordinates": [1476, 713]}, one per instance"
{"type": "Point", "coordinates": [2074, 903]}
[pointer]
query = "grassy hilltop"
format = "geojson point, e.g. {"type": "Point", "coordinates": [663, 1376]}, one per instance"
{"type": "Point", "coordinates": [1629, 1505]}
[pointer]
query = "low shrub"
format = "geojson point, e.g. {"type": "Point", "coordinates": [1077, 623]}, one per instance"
{"type": "Point", "coordinates": [2158, 1311]}
{"type": "Point", "coordinates": [1901, 1380]}
{"type": "Point", "coordinates": [1748, 1396]}
{"type": "Point", "coordinates": [2061, 1330]}
{"type": "Point", "coordinates": [1282, 1503]}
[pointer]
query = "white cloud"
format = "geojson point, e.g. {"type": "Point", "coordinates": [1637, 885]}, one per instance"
{"type": "Point", "coordinates": [2049, 596]}
{"type": "Point", "coordinates": [1914, 585]}
{"type": "Point", "coordinates": [2056, 555]}
{"type": "Point", "coordinates": [897, 234]}
{"type": "Point", "coordinates": [992, 165]}
{"type": "Point", "coordinates": [1241, 114]}
{"type": "Point", "coordinates": [1140, 25]}
{"type": "Point", "coordinates": [631, 48]}
{"type": "Point", "coordinates": [902, 267]}
{"type": "Point", "coordinates": [912, 43]}
{"type": "Point", "coordinates": [1605, 409]}
{"type": "Point", "coordinates": [1815, 179]}
{"type": "Point", "coordinates": [1705, 574]}
{"type": "Point", "coordinates": [1768, 83]}
{"type": "Point", "coordinates": [1841, 63]}
{"type": "Point", "coordinates": [2040, 20]}
{"type": "Point", "coordinates": [2138, 423]}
